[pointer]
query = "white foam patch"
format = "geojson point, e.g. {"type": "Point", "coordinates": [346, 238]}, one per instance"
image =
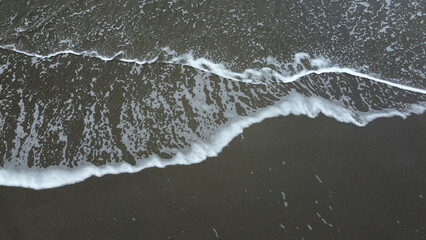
{"type": "Point", "coordinates": [295, 104]}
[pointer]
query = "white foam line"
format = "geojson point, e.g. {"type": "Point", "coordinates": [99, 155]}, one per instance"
{"type": "Point", "coordinates": [83, 53]}
{"type": "Point", "coordinates": [220, 70]}
{"type": "Point", "coordinates": [350, 72]}
{"type": "Point", "coordinates": [295, 104]}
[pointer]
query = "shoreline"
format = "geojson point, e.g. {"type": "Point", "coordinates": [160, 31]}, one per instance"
{"type": "Point", "coordinates": [294, 105]}
{"type": "Point", "coordinates": [283, 177]}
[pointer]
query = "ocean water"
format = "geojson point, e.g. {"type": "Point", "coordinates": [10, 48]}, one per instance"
{"type": "Point", "coordinates": [95, 88]}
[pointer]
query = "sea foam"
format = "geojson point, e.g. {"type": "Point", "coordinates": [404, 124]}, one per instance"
{"type": "Point", "coordinates": [295, 104]}
{"type": "Point", "coordinates": [321, 65]}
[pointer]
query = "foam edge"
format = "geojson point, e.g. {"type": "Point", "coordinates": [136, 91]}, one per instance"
{"type": "Point", "coordinates": [294, 104]}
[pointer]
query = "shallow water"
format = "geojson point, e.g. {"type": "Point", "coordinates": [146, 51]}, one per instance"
{"type": "Point", "coordinates": [96, 88]}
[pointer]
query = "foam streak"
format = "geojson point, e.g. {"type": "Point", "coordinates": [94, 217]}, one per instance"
{"type": "Point", "coordinates": [353, 73]}
{"type": "Point", "coordinates": [83, 53]}
{"type": "Point", "coordinates": [220, 70]}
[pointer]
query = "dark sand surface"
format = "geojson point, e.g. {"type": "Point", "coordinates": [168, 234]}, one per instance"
{"type": "Point", "coordinates": [344, 181]}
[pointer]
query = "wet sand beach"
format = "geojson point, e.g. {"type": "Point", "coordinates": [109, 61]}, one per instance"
{"type": "Point", "coordinates": [284, 178]}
